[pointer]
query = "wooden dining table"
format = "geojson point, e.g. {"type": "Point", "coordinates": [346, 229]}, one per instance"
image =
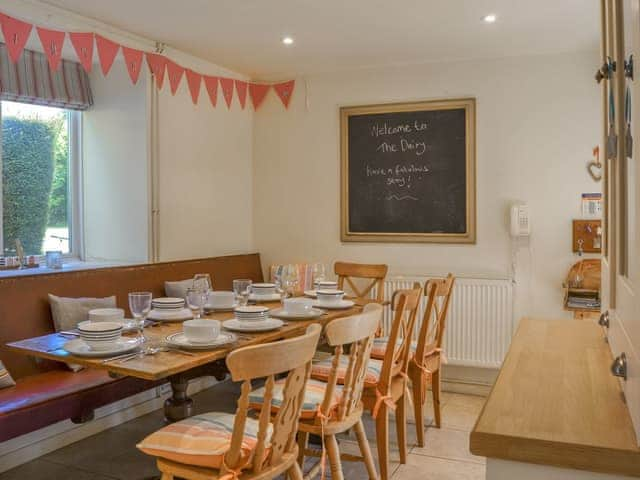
{"type": "Point", "coordinates": [178, 368]}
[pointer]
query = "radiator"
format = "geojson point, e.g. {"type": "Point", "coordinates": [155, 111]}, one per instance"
{"type": "Point", "coordinates": [480, 322]}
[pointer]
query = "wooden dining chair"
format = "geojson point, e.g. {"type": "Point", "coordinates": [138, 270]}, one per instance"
{"type": "Point", "coordinates": [386, 381]}
{"type": "Point", "coordinates": [225, 446]}
{"type": "Point", "coordinates": [354, 275]}
{"type": "Point", "coordinates": [424, 364]}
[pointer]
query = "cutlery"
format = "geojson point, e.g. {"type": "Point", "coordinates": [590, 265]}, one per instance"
{"type": "Point", "coordinates": [68, 332]}
{"type": "Point", "coordinates": [120, 357]}
{"type": "Point", "coordinates": [153, 351]}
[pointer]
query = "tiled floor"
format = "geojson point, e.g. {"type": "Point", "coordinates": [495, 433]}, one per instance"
{"type": "Point", "coordinates": [112, 454]}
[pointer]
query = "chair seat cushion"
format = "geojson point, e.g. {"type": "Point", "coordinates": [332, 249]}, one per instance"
{"type": "Point", "coordinates": [322, 369]}
{"type": "Point", "coordinates": [379, 348]}
{"type": "Point", "coordinates": [202, 440]}
{"type": "Point", "coordinates": [313, 397]}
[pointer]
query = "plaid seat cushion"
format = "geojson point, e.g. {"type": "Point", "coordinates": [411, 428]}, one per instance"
{"type": "Point", "coordinates": [313, 397]}
{"type": "Point", "coordinates": [322, 369]}
{"type": "Point", "coordinates": [201, 440]}
{"type": "Point", "coordinates": [380, 347]}
{"type": "Point", "coordinates": [6, 380]}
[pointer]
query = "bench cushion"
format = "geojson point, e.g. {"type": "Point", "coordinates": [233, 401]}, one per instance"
{"type": "Point", "coordinates": [45, 398]}
{"type": "Point", "coordinates": [6, 380]}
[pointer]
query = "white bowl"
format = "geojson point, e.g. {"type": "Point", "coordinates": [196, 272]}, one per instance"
{"type": "Point", "coordinates": [101, 345]}
{"type": "Point", "coordinates": [329, 297]}
{"type": "Point", "coordinates": [221, 299]}
{"type": "Point", "coordinates": [298, 306]}
{"type": "Point", "coordinates": [99, 327]}
{"type": "Point", "coordinates": [106, 315]}
{"type": "Point", "coordinates": [263, 288]}
{"type": "Point", "coordinates": [326, 285]}
{"type": "Point", "coordinates": [201, 330]}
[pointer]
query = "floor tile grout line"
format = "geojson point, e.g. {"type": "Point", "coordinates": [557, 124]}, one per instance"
{"type": "Point", "coordinates": [449, 458]}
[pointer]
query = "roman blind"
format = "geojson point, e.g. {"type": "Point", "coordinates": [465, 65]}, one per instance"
{"type": "Point", "coordinates": [30, 80]}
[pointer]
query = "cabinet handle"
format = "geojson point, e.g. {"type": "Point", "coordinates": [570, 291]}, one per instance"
{"type": "Point", "coordinates": [604, 319]}
{"type": "Point", "coordinates": [605, 71]}
{"type": "Point", "coordinates": [619, 366]}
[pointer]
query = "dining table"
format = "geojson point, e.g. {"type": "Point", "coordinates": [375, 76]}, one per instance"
{"type": "Point", "coordinates": [174, 365]}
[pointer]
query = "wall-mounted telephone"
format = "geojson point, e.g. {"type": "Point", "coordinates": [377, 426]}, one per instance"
{"type": "Point", "coordinates": [520, 226]}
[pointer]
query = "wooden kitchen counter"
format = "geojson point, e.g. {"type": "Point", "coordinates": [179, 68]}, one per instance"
{"type": "Point", "coordinates": [556, 403]}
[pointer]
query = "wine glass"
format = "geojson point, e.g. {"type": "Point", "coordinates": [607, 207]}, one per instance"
{"type": "Point", "coordinates": [289, 281]}
{"type": "Point", "coordinates": [195, 301]}
{"type": "Point", "coordinates": [318, 274]}
{"type": "Point", "coordinates": [203, 282]}
{"type": "Point", "coordinates": [140, 306]}
{"type": "Point", "coordinates": [242, 289]}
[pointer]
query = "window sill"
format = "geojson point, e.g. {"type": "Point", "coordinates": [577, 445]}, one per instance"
{"type": "Point", "coordinates": [70, 265]}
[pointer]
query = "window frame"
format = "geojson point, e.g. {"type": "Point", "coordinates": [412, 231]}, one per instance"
{"type": "Point", "coordinates": [75, 191]}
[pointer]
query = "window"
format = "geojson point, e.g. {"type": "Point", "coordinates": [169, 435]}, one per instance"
{"type": "Point", "coordinates": [39, 169]}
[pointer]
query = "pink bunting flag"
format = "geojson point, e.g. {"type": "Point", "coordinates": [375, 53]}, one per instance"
{"type": "Point", "coordinates": [175, 73]}
{"type": "Point", "coordinates": [211, 84]}
{"type": "Point", "coordinates": [241, 89]}
{"type": "Point", "coordinates": [52, 41]}
{"type": "Point", "coordinates": [107, 51]}
{"type": "Point", "coordinates": [133, 60]}
{"type": "Point", "coordinates": [16, 33]}
{"type": "Point", "coordinates": [284, 91]}
{"type": "Point", "coordinates": [227, 90]}
{"type": "Point", "coordinates": [193, 82]}
{"type": "Point", "coordinates": [83, 44]}
{"type": "Point", "coordinates": [257, 92]}
{"type": "Point", "coordinates": [157, 63]}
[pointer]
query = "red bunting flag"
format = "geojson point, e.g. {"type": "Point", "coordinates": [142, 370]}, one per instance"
{"type": "Point", "coordinates": [107, 51]}
{"type": "Point", "coordinates": [175, 73]}
{"type": "Point", "coordinates": [83, 44]}
{"type": "Point", "coordinates": [258, 92]}
{"type": "Point", "coordinates": [52, 41]}
{"type": "Point", "coordinates": [157, 64]}
{"type": "Point", "coordinates": [193, 82]}
{"type": "Point", "coordinates": [133, 60]}
{"type": "Point", "coordinates": [284, 91]}
{"type": "Point", "coordinates": [241, 89]}
{"type": "Point", "coordinates": [16, 33]}
{"type": "Point", "coordinates": [227, 90]}
{"type": "Point", "coordinates": [211, 84]}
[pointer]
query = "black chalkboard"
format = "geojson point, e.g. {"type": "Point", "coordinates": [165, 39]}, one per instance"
{"type": "Point", "coordinates": [408, 169]}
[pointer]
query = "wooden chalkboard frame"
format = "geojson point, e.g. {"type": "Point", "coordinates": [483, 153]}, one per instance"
{"type": "Point", "coordinates": [469, 236]}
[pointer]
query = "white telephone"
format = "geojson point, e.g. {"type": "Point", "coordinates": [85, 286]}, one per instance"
{"type": "Point", "coordinates": [520, 226]}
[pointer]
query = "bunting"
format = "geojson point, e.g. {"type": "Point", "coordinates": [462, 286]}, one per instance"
{"type": "Point", "coordinates": [16, 34]}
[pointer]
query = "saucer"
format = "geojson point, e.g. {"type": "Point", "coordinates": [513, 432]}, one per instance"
{"type": "Point", "coordinates": [282, 313]}
{"type": "Point", "coordinates": [341, 305]}
{"type": "Point", "coordinates": [79, 348]}
{"type": "Point", "coordinates": [210, 308]}
{"type": "Point", "coordinates": [170, 316]}
{"type": "Point", "coordinates": [242, 326]}
{"type": "Point", "coordinates": [180, 340]}
{"type": "Point", "coordinates": [310, 293]}
{"type": "Point", "coordinates": [272, 297]}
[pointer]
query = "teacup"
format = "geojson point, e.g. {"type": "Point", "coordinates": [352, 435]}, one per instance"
{"type": "Point", "coordinates": [106, 315]}
{"type": "Point", "coordinates": [297, 306]}
{"type": "Point", "coordinates": [263, 288]}
{"type": "Point", "coordinates": [221, 299]}
{"type": "Point", "coordinates": [325, 285]}
{"type": "Point", "coordinates": [329, 297]}
{"type": "Point", "coordinates": [201, 330]}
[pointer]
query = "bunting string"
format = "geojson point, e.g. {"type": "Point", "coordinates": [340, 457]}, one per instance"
{"type": "Point", "coordinates": [17, 32]}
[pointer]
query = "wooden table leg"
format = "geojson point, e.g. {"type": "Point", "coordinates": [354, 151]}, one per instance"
{"type": "Point", "coordinates": [179, 406]}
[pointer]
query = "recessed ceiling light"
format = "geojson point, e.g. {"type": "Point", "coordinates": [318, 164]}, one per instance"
{"type": "Point", "coordinates": [489, 18]}
{"type": "Point", "coordinates": [287, 41]}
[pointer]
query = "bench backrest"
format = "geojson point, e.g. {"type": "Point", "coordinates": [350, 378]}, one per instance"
{"type": "Point", "coordinates": [24, 302]}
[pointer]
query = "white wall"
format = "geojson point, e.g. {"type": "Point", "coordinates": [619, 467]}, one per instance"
{"type": "Point", "coordinates": [116, 205]}
{"type": "Point", "coordinates": [537, 121]}
{"type": "Point", "coordinates": [205, 179]}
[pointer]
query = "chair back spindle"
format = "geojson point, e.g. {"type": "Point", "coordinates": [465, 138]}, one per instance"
{"type": "Point", "coordinates": [431, 334]}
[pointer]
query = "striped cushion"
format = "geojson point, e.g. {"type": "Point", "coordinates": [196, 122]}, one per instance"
{"type": "Point", "coordinates": [380, 347]}
{"type": "Point", "coordinates": [321, 370]}
{"type": "Point", "coordinates": [313, 397]}
{"type": "Point", "coordinates": [201, 440]}
{"type": "Point", "coordinates": [5, 377]}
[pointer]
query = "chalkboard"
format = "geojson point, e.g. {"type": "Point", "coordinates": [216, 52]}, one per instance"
{"type": "Point", "coordinates": [408, 172]}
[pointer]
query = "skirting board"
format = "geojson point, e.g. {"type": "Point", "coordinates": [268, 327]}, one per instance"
{"type": "Point", "coordinates": [32, 445]}
{"type": "Point", "coordinates": [468, 380]}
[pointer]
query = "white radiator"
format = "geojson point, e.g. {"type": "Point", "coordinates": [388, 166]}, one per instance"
{"type": "Point", "coordinates": [480, 321]}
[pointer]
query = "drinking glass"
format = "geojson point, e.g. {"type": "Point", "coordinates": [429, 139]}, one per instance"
{"type": "Point", "coordinates": [140, 306]}
{"type": "Point", "coordinates": [289, 281]}
{"type": "Point", "coordinates": [202, 281]}
{"type": "Point", "coordinates": [242, 289]}
{"type": "Point", "coordinates": [195, 300]}
{"type": "Point", "coordinates": [318, 274]}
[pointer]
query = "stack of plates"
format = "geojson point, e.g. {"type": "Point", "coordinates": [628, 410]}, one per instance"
{"type": "Point", "coordinates": [251, 313]}
{"type": "Point", "coordinates": [169, 309]}
{"type": "Point", "coordinates": [100, 335]}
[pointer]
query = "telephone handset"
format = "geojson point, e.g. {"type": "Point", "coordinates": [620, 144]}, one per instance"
{"type": "Point", "coordinates": [520, 226]}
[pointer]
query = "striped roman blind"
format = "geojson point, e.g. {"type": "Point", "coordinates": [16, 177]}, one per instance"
{"type": "Point", "coordinates": [30, 80]}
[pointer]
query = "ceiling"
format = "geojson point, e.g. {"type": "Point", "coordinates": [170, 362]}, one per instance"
{"type": "Point", "coordinates": [245, 35]}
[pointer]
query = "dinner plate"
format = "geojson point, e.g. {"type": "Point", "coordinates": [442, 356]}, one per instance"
{"type": "Point", "coordinates": [310, 293]}
{"type": "Point", "coordinates": [175, 316]}
{"type": "Point", "coordinates": [210, 308]}
{"type": "Point", "coordinates": [272, 297]}
{"type": "Point", "coordinates": [180, 340]}
{"type": "Point", "coordinates": [282, 313]}
{"type": "Point", "coordinates": [263, 326]}
{"type": "Point", "coordinates": [79, 348]}
{"type": "Point", "coordinates": [341, 305]}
